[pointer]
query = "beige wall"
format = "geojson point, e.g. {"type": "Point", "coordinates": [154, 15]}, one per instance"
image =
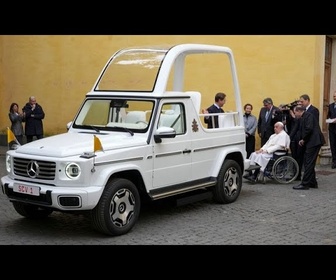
{"type": "Point", "coordinates": [60, 70]}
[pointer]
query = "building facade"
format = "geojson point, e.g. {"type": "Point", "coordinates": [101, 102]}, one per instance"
{"type": "Point", "coordinates": [60, 69]}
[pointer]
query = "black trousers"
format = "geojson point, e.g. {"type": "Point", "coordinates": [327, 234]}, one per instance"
{"type": "Point", "coordinates": [250, 145]}
{"type": "Point", "coordinates": [30, 137]}
{"type": "Point", "coordinates": [297, 152]}
{"type": "Point", "coordinates": [332, 143]}
{"type": "Point", "coordinates": [309, 163]}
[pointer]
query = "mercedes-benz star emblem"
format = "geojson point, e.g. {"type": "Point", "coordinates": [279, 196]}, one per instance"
{"type": "Point", "coordinates": [33, 169]}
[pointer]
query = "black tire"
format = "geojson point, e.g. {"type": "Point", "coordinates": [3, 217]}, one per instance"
{"type": "Point", "coordinates": [229, 183]}
{"type": "Point", "coordinates": [285, 170]}
{"type": "Point", "coordinates": [118, 208]}
{"type": "Point", "coordinates": [31, 211]}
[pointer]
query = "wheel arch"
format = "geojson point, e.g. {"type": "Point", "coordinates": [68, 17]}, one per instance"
{"type": "Point", "coordinates": [236, 156]}
{"type": "Point", "coordinates": [135, 177]}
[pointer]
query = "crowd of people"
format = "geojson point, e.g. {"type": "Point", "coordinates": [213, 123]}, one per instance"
{"type": "Point", "coordinates": [31, 116]}
{"type": "Point", "coordinates": [301, 136]}
{"type": "Point", "coordinates": [294, 129]}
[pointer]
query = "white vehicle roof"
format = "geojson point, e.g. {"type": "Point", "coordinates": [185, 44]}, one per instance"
{"type": "Point", "coordinates": [147, 69]}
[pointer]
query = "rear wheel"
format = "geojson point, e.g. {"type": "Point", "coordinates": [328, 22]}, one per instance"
{"type": "Point", "coordinates": [229, 183]}
{"type": "Point", "coordinates": [285, 169]}
{"type": "Point", "coordinates": [118, 208]}
{"type": "Point", "coordinates": [31, 211]}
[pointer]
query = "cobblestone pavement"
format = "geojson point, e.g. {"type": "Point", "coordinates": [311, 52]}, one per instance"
{"type": "Point", "coordinates": [264, 214]}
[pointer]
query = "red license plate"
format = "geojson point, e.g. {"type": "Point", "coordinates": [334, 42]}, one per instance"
{"type": "Point", "coordinates": [19, 188]}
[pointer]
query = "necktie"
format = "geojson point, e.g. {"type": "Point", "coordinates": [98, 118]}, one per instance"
{"type": "Point", "coordinates": [267, 114]}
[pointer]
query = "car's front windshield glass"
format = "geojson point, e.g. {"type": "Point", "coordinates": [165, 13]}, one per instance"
{"type": "Point", "coordinates": [114, 113]}
{"type": "Point", "coordinates": [132, 70]}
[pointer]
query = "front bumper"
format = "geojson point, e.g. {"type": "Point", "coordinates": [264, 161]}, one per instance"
{"type": "Point", "coordinates": [61, 198]}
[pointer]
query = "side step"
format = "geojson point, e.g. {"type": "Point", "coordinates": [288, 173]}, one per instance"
{"type": "Point", "coordinates": [253, 167]}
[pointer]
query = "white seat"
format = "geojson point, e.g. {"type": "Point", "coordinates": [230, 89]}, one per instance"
{"type": "Point", "coordinates": [171, 120]}
{"type": "Point", "coordinates": [135, 117]}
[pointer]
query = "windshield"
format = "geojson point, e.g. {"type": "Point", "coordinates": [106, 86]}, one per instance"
{"type": "Point", "coordinates": [132, 70]}
{"type": "Point", "coordinates": [115, 113]}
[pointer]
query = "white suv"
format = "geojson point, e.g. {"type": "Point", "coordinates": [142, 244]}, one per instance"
{"type": "Point", "coordinates": [138, 135]}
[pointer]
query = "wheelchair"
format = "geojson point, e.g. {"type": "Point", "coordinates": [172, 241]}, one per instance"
{"type": "Point", "coordinates": [282, 167]}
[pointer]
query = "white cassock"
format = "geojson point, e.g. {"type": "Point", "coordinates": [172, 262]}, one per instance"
{"type": "Point", "coordinates": [276, 142]}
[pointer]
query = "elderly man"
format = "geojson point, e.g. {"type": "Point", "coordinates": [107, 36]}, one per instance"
{"type": "Point", "coordinates": [278, 141]}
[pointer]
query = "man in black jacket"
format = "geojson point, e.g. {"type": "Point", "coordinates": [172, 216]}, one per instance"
{"type": "Point", "coordinates": [331, 116]}
{"type": "Point", "coordinates": [295, 136]}
{"type": "Point", "coordinates": [305, 101]}
{"type": "Point", "coordinates": [220, 99]}
{"type": "Point", "coordinates": [33, 114]}
{"type": "Point", "coordinates": [268, 116]}
{"type": "Point", "coordinates": [312, 139]}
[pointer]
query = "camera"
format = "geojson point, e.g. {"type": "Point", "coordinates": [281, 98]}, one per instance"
{"type": "Point", "coordinates": [289, 106]}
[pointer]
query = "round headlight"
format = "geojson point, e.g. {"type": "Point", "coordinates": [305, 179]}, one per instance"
{"type": "Point", "coordinates": [8, 163]}
{"type": "Point", "coordinates": [72, 170]}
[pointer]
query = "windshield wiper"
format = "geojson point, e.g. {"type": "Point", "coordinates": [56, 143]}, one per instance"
{"type": "Point", "coordinates": [95, 128]}
{"type": "Point", "coordinates": [125, 129]}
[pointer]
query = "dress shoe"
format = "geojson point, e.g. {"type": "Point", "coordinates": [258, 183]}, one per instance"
{"type": "Point", "coordinates": [301, 187]}
{"type": "Point", "coordinates": [252, 179]}
{"type": "Point", "coordinates": [314, 187]}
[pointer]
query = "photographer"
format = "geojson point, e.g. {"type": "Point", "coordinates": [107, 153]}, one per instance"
{"type": "Point", "coordinates": [288, 115]}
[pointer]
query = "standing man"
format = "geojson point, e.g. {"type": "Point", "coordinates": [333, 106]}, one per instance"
{"type": "Point", "coordinates": [220, 99]}
{"type": "Point", "coordinates": [312, 139]}
{"type": "Point", "coordinates": [331, 115]}
{"type": "Point", "coordinates": [305, 101]}
{"type": "Point", "coordinates": [295, 136]}
{"type": "Point", "coordinates": [268, 116]}
{"type": "Point", "coordinates": [251, 124]}
{"type": "Point", "coordinates": [34, 115]}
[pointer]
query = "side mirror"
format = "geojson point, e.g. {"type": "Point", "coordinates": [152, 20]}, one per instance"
{"type": "Point", "coordinates": [164, 132]}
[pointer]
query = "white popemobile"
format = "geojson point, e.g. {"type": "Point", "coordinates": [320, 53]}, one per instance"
{"type": "Point", "coordinates": [138, 135]}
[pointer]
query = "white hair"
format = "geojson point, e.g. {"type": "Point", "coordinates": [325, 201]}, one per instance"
{"type": "Point", "coordinates": [280, 123]}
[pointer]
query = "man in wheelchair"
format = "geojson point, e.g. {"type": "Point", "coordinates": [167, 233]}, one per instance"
{"type": "Point", "coordinates": [277, 142]}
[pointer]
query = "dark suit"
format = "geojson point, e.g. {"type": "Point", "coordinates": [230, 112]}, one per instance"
{"type": "Point", "coordinates": [313, 139]}
{"type": "Point", "coordinates": [314, 111]}
{"type": "Point", "coordinates": [213, 109]}
{"type": "Point", "coordinates": [266, 127]}
{"type": "Point", "coordinates": [297, 151]}
{"type": "Point", "coordinates": [34, 125]}
{"type": "Point", "coordinates": [332, 131]}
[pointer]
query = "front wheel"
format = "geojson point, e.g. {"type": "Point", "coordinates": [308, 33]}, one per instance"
{"type": "Point", "coordinates": [118, 208]}
{"type": "Point", "coordinates": [229, 182]}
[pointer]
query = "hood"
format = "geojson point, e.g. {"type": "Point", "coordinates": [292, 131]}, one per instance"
{"type": "Point", "coordinates": [71, 144]}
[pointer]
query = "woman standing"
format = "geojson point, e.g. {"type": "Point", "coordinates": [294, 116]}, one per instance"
{"type": "Point", "coordinates": [251, 124]}
{"type": "Point", "coordinates": [16, 119]}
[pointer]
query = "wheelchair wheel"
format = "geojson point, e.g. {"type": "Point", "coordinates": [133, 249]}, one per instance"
{"type": "Point", "coordinates": [285, 169]}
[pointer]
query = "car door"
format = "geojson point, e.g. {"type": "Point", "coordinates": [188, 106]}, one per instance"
{"type": "Point", "coordinates": [172, 157]}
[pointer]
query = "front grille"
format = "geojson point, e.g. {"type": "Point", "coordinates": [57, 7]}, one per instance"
{"type": "Point", "coordinates": [46, 169]}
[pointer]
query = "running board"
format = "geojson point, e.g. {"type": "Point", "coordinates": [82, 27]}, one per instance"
{"type": "Point", "coordinates": [253, 167]}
